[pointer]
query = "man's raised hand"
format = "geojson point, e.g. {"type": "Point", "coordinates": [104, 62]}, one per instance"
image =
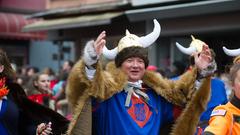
{"type": "Point", "coordinates": [100, 42]}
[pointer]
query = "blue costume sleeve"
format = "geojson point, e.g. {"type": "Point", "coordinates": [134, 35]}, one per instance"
{"type": "Point", "coordinates": [218, 97]}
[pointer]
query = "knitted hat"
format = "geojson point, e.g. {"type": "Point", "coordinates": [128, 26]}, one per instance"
{"type": "Point", "coordinates": [133, 46]}
{"type": "Point", "coordinates": [131, 52]}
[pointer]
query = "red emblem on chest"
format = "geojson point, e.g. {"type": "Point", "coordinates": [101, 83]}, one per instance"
{"type": "Point", "coordinates": [139, 111]}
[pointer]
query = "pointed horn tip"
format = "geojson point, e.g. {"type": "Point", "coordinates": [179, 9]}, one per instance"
{"type": "Point", "coordinates": [225, 49]}
{"type": "Point", "coordinates": [177, 44]}
{"type": "Point", "coordinates": [127, 32]}
{"type": "Point", "coordinates": [193, 38]}
{"type": "Point", "coordinates": [155, 22]}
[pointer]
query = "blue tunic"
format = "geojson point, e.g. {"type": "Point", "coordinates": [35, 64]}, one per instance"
{"type": "Point", "coordinates": [3, 130]}
{"type": "Point", "coordinates": [111, 117]}
{"type": "Point", "coordinates": [9, 118]}
{"type": "Point", "coordinates": [218, 96]}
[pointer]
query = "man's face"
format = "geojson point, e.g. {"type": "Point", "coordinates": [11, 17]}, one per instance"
{"type": "Point", "coordinates": [134, 67]}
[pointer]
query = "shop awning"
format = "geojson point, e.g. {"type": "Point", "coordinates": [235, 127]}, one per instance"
{"type": "Point", "coordinates": [11, 27]}
{"type": "Point", "coordinates": [72, 22]}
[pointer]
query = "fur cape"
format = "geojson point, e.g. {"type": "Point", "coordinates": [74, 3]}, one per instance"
{"type": "Point", "coordinates": [112, 80]}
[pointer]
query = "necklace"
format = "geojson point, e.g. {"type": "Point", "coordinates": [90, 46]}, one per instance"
{"type": "Point", "coordinates": [3, 88]}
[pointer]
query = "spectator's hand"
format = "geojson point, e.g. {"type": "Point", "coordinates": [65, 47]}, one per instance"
{"type": "Point", "coordinates": [44, 129]}
{"type": "Point", "coordinates": [100, 42]}
{"type": "Point", "coordinates": [204, 58]}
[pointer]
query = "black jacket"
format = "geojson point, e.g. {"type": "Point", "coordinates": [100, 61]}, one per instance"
{"type": "Point", "coordinates": [23, 115]}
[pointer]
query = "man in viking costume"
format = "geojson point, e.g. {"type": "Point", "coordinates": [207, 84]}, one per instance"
{"type": "Point", "coordinates": [218, 91]}
{"type": "Point", "coordinates": [124, 98]}
{"type": "Point", "coordinates": [225, 119]}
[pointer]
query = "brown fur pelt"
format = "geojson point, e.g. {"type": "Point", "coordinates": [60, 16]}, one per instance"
{"type": "Point", "coordinates": [186, 124]}
{"type": "Point", "coordinates": [177, 92]}
{"type": "Point", "coordinates": [111, 81]}
{"type": "Point", "coordinates": [79, 89]}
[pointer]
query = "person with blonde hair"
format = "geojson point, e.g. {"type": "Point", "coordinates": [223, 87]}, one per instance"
{"type": "Point", "coordinates": [225, 119]}
{"type": "Point", "coordinates": [41, 92]}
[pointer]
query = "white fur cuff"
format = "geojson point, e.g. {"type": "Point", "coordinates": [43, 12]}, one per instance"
{"type": "Point", "coordinates": [90, 56]}
{"type": "Point", "coordinates": [212, 67]}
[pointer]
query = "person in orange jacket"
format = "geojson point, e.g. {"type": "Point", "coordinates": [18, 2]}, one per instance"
{"type": "Point", "coordinates": [225, 119]}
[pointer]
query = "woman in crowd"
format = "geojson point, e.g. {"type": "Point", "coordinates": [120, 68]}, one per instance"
{"type": "Point", "coordinates": [42, 93]}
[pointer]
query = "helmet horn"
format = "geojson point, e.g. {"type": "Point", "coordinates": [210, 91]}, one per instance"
{"type": "Point", "coordinates": [232, 52]}
{"type": "Point", "coordinates": [110, 54]}
{"type": "Point", "coordinates": [152, 37]}
{"type": "Point", "coordinates": [189, 51]}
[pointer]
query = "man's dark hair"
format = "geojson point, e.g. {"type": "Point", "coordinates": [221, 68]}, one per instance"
{"type": "Point", "coordinates": [132, 52]}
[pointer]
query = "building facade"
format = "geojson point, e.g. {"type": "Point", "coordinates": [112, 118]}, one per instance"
{"type": "Point", "coordinates": [15, 42]}
{"type": "Point", "coordinates": [216, 22]}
